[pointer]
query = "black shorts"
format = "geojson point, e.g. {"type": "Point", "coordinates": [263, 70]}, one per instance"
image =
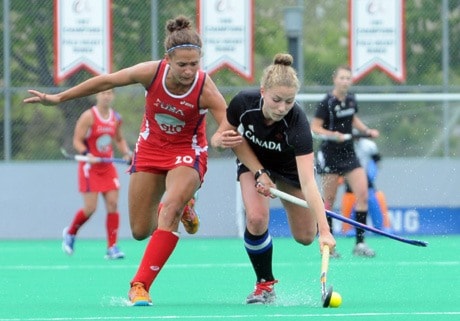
{"type": "Point", "coordinates": [289, 178]}
{"type": "Point", "coordinates": [336, 162]}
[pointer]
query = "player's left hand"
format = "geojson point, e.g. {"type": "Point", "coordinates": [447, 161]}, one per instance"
{"type": "Point", "coordinates": [264, 188]}
{"type": "Point", "coordinates": [128, 157]}
{"type": "Point", "coordinates": [230, 139]}
{"type": "Point", "coordinates": [326, 238]}
{"type": "Point", "coordinates": [374, 133]}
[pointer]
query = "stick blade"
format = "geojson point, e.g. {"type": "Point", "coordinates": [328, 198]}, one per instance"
{"type": "Point", "coordinates": [326, 298]}
{"type": "Point", "coordinates": [418, 243]}
{"type": "Point", "coordinates": [64, 153]}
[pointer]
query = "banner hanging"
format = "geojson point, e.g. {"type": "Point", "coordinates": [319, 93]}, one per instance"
{"type": "Point", "coordinates": [377, 38]}
{"type": "Point", "coordinates": [227, 31]}
{"type": "Point", "coordinates": [82, 37]}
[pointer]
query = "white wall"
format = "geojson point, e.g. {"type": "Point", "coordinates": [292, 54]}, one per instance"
{"type": "Point", "coordinates": [38, 199]}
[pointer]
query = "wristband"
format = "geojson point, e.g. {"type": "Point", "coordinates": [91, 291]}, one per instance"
{"type": "Point", "coordinates": [85, 152]}
{"type": "Point", "coordinates": [260, 172]}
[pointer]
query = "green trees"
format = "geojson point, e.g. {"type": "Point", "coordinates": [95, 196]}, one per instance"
{"type": "Point", "coordinates": [325, 27]}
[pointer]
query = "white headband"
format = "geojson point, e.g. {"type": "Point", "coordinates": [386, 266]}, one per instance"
{"type": "Point", "coordinates": [185, 45]}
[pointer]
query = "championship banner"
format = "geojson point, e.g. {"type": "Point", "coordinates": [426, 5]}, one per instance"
{"type": "Point", "coordinates": [377, 38]}
{"type": "Point", "coordinates": [82, 37]}
{"type": "Point", "coordinates": [227, 30]}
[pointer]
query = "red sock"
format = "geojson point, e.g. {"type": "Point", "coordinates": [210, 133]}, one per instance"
{"type": "Point", "coordinates": [79, 219]}
{"type": "Point", "coordinates": [112, 223]}
{"type": "Point", "coordinates": [159, 248]}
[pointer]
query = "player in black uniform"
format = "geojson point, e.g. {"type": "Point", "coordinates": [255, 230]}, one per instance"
{"type": "Point", "coordinates": [335, 116]}
{"type": "Point", "coordinates": [277, 148]}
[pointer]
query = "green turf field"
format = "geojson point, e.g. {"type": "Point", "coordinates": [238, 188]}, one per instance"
{"type": "Point", "coordinates": [209, 279]}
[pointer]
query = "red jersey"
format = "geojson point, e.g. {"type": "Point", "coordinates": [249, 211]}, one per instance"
{"type": "Point", "coordinates": [99, 137]}
{"type": "Point", "coordinates": [100, 177]}
{"type": "Point", "coordinates": [173, 131]}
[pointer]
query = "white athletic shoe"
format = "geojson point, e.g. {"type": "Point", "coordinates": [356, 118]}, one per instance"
{"type": "Point", "coordinates": [264, 293]}
{"type": "Point", "coordinates": [67, 241]}
{"type": "Point", "coordinates": [114, 253]}
{"type": "Point", "coordinates": [361, 249]}
{"type": "Point", "coordinates": [335, 254]}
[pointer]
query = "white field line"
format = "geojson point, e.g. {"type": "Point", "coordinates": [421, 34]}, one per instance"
{"type": "Point", "coordinates": [364, 315]}
{"type": "Point", "coordinates": [224, 265]}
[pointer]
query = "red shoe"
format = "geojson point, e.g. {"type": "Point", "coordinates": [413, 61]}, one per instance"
{"type": "Point", "coordinates": [190, 218]}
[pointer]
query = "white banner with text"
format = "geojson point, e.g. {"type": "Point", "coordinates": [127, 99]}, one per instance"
{"type": "Point", "coordinates": [82, 37]}
{"type": "Point", "coordinates": [227, 29]}
{"type": "Point", "coordinates": [377, 38]}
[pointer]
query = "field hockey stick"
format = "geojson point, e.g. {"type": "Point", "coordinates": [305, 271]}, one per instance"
{"type": "Point", "coordinates": [331, 138]}
{"type": "Point", "coordinates": [334, 138]}
{"type": "Point", "coordinates": [300, 202]}
{"type": "Point", "coordinates": [83, 158]}
{"type": "Point", "coordinates": [325, 294]}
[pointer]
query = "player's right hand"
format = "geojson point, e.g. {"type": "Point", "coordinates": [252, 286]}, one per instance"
{"type": "Point", "coordinates": [41, 98]}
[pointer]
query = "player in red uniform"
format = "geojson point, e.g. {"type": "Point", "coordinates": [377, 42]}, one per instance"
{"type": "Point", "coordinates": [170, 158]}
{"type": "Point", "coordinates": [94, 133]}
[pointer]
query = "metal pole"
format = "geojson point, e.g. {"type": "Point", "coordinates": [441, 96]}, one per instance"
{"type": "Point", "coordinates": [7, 80]}
{"type": "Point", "coordinates": [154, 26]}
{"type": "Point", "coordinates": [445, 73]}
{"type": "Point", "coordinates": [300, 4]}
{"type": "Point", "coordinates": [293, 44]}
{"type": "Point", "coordinates": [293, 23]}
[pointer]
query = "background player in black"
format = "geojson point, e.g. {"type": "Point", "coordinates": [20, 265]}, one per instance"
{"type": "Point", "coordinates": [277, 148]}
{"type": "Point", "coordinates": [335, 116]}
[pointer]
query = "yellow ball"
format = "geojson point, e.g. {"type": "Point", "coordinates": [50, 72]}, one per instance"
{"type": "Point", "coordinates": [336, 300]}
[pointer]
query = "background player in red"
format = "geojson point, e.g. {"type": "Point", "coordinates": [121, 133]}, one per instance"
{"type": "Point", "coordinates": [170, 158]}
{"type": "Point", "coordinates": [335, 116]}
{"type": "Point", "coordinates": [95, 131]}
{"type": "Point", "coordinates": [279, 149]}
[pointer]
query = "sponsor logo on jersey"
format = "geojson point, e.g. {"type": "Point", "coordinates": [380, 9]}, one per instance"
{"type": "Point", "coordinates": [262, 143]}
{"type": "Point", "coordinates": [343, 113]}
{"type": "Point", "coordinates": [170, 108]}
{"type": "Point", "coordinates": [187, 104]}
{"type": "Point", "coordinates": [104, 143]}
{"type": "Point", "coordinates": [105, 128]}
{"type": "Point", "coordinates": [169, 124]}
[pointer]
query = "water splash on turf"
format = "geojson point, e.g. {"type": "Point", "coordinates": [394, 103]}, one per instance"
{"type": "Point", "coordinates": [296, 296]}
{"type": "Point", "coordinates": [295, 299]}
{"type": "Point", "coordinates": [115, 301]}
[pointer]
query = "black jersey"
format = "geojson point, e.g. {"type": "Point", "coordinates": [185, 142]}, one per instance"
{"type": "Point", "coordinates": [335, 157]}
{"type": "Point", "coordinates": [337, 116]}
{"type": "Point", "coordinates": [276, 145]}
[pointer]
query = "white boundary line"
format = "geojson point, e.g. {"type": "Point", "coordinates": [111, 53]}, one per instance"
{"type": "Point", "coordinates": [227, 265]}
{"type": "Point", "coordinates": [244, 316]}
